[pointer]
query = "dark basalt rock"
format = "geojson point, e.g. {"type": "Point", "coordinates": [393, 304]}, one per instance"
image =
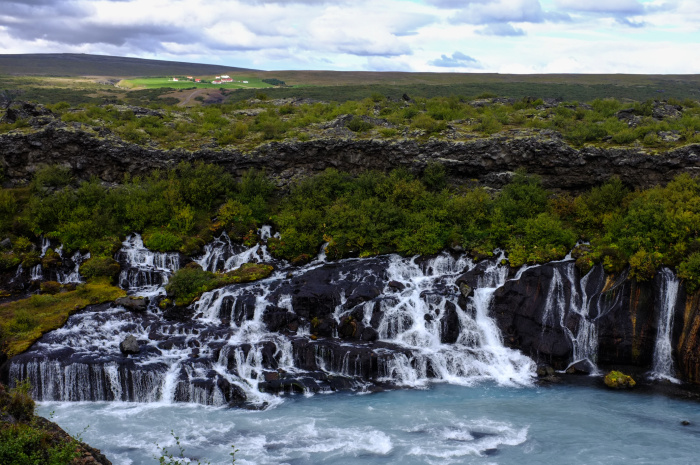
{"type": "Point", "coordinates": [487, 160]}
{"type": "Point", "coordinates": [129, 346]}
{"type": "Point", "coordinates": [133, 304]}
{"type": "Point", "coordinates": [362, 293]}
{"type": "Point", "coordinates": [582, 367]}
{"type": "Point", "coordinates": [450, 324]}
{"type": "Point", "coordinates": [315, 300]}
{"type": "Point", "coordinates": [279, 319]}
{"type": "Point", "coordinates": [24, 110]}
{"type": "Point", "coordinates": [369, 334]}
{"type": "Point", "coordinates": [518, 308]}
{"type": "Point", "coordinates": [348, 328]}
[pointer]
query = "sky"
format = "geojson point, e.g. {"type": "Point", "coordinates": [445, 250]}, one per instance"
{"type": "Point", "coordinates": [496, 36]}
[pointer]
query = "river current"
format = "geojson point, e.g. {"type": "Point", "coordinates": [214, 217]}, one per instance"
{"type": "Point", "coordinates": [445, 424]}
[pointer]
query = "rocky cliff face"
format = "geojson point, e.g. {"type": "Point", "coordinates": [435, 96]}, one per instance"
{"type": "Point", "coordinates": [559, 317]}
{"type": "Point", "coordinates": [488, 161]}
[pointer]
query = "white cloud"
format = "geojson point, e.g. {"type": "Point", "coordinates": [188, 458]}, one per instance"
{"type": "Point", "coordinates": [505, 35]}
{"type": "Point", "coordinates": [500, 11]}
{"type": "Point", "coordinates": [457, 60]}
{"type": "Point", "coordinates": [627, 7]}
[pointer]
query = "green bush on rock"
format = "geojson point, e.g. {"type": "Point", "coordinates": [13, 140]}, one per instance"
{"type": "Point", "coordinates": [191, 281]}
{"type": "Point", "coordinates": [619, 380]}
{"type": "Point", "coordinates": [96, 267]}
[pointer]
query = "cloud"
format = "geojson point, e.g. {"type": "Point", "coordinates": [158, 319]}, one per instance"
{"type": "Point", "coordinates": [619, 10]}
{"type": "Point", "coordinates": [457, 60]}
{"type": "Point", "coordinates": [623, 7]}
{"type": "Point", "coordinates": [501, 29]}
{"type": "Point", "coordinates": [499, 11]}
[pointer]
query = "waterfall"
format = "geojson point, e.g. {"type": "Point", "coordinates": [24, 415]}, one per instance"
{"type": "Point", "coordinates": [245, 343]}
{"type": "Point", "coordinates": [662, 367]}
{"type": "Point", "coordinates": [584, 298]}
{"type": "Point", "coordinates": [414, 321]}
{"type": "Point", "coordinates": [143, 271]}
{"type": "Point", "coordinates": [37, 273]}
{"type": "Point", "coordinates": [223, 255]}
{"type": "Point", "coordinates": [72, 276]}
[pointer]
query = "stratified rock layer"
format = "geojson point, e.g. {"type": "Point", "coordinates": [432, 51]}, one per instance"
{"type": "Point", "coordinates": [488, 161]}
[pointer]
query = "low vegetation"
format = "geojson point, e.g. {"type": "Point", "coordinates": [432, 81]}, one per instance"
{"type": "Point", "coordinates": [373, 213]}
{"type": "Point", "coordinates": [247, 123]}
{"type": "Point", "coordinates": [188, 283]}
{"type": "Point", "coordinates": [22, 322]}
{"type": "Point", "coordinates": [29, 440]}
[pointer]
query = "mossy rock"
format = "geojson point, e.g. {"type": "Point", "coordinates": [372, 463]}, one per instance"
{"type": "Point", "coordinates": [30, 259]}
{"type": "Point", "coordinates": [100, 267]}
{"type": "Point", "coordinates": [51, 259]}
{"type": "Point", "coordinates": [619, 380]}
{"type": "Point", "coordinates": [249, 272]}
{"type": "Point", "coordinates": [191, 281]}
{"type": "Point", "coordinates": [301, 260]}
{"type": "Point", "coordinates": [50, 287]}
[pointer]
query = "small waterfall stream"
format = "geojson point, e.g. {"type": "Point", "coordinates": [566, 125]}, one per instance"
{"type": "Point", "coordinates": [145, 272]}
{"type": "Point", "coordinates": [662, 367]}
{"type": "Point", "coordinates": [568, 296]}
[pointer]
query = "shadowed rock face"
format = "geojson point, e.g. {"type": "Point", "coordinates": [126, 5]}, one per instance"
{"type": "Point", "coordinates": [488, 161]}
{"type": "Point", "coordinates": [542, 311]}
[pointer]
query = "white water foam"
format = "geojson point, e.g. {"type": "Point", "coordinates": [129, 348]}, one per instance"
{"type": "Point", "coordinates": [662, 367]}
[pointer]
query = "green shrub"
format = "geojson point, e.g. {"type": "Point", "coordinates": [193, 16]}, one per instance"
{"type": "Point", "coordinates": [428, 124]}
{"type": "Point", "coordinates": [8, 203]}
{"type": "Point", "coordinates": [30, 259]}
{"type": "Point", "coordinates": [357, 124]}
{"type": "Point", "coordinates": [52, 176]}
{"type": "Point", "coordinates": [18, 401]}
{"type": "Point", "coordinates": [22, 245]}
{"type": "Point", "coordinates": [489, 125]}
{"type": "Point", "coordinates": [689, 271]}
{"type": "Point", "coordinates": [26, 445]}
{"type": "Point", "coordinates": [97, 267]}
{"type": "Point", "coordinates": [434, 176]}
{"type": "Point", "coordinates": [50, 287]}
{"type": "Point", "coordinates": [8, 261]}
{"type": "Point", "coordinates": [162, 241]}
{"type": "Point", "coordinates": [188, 282]}
{"type": "Point", "coordinates": [643, 265]}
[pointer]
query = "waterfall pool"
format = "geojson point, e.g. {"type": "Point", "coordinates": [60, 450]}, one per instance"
{"type": "Point", "coordinates": [445, 424]}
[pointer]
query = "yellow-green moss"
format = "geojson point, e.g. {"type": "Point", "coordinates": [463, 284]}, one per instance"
{"type": "Point", "coordinates": [188, 283]}
{"type": "Point", "coordinates": [24, 321]}
{"type": "Point", "coordinates": [619, 380]}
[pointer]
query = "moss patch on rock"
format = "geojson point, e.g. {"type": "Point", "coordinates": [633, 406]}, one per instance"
{"type": "Point", "coordinates": [619, 380]}
{"type": "Point", "coordinates": [188, 283]}
{"type": "Point", "coordinates": [100, 267]}
{"type": "Point", "coordinates": [24, 321]}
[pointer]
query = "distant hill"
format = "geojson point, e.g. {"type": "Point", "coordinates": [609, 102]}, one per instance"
{"type": "Point", "coordinates": [75, 64]}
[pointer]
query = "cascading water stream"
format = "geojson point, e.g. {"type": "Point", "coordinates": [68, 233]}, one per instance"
{"type": "Point", "coordinates": [143, 271]}
{"type": "Point", "coordinates": [567, 296]}
{"type": "Point", "coordinates": [418, 321]}
{"type": "Point", "coordinates": [662, 367]}
{"type": "Point", "coordinates": [226, 353]}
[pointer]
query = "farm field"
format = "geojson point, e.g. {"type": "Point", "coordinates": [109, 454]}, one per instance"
{"type": "Point", "coordinates": [160, 82]}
